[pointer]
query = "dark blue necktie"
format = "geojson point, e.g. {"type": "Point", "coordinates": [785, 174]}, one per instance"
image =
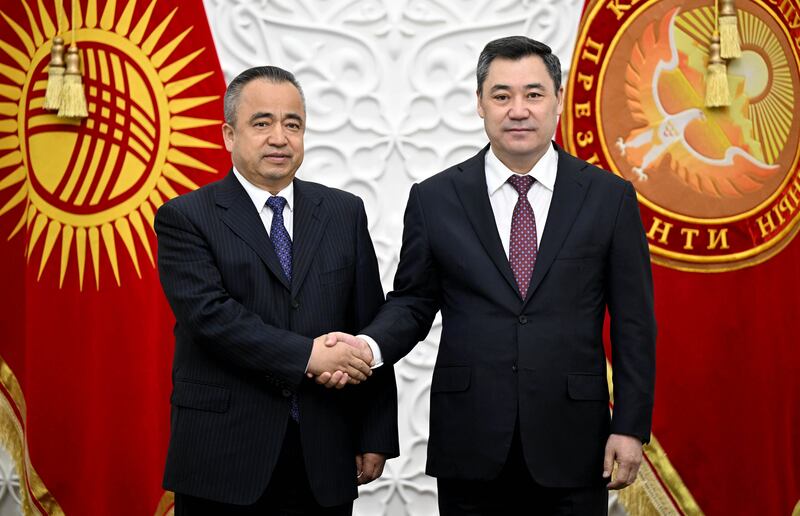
{"type": "Point", "coordinates": [283, 248]}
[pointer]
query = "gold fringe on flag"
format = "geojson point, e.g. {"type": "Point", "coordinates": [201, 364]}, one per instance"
{"type": "Point", "coordinates": [730, 48]}
{"type": "Point", "coordinates": [55, 75]}
{"type": "Point", "coordinates": [33, 494]}
{"type": "Point", "coordinates": [73, 98]}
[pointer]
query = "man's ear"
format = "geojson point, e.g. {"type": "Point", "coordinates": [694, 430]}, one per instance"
{"type": "Point", "coordinates": [228, 135]}
{"type": "Point", "coordinates": [560, 99]}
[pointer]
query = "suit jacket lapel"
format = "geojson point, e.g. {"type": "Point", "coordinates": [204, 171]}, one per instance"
{"type": "Point", "coordinates": [568, 194]}
{"type": "Point", "coordinates": [471, 189]}
{"type": "Point", "coordinates": [242, 218]}
{"type": "Point", "coordinates": [310, 219]}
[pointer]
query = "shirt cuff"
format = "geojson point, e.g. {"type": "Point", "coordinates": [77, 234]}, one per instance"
{"type": "Point", "coordinates": [377, 357]}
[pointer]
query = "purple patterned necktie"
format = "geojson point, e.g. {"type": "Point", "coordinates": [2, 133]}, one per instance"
{"type": "Point", "coordinates": [523, 245]}
{"type": "Point", "coordinates": [283, 248]}
{"type": "Point", "coordinates": [279, 235]}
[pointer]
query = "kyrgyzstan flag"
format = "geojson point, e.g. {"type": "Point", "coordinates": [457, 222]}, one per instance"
{"type": "Point", "coordinates": [86, 347]}
{"type": "Point", "coordinates": [719, 194]}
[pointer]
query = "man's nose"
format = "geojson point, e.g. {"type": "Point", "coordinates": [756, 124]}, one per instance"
{"type": "Point", "coordinates": [277, 137]}
{"type": "Point", "coordinates": [518, 110]}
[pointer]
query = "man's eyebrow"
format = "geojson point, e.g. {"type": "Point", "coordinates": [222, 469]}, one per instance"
{"type": "Point", "coordinates": [266, 114]}
{"type": "Point", "coordinates": [261, 114]}
{"type": "Point", "coordinates": [531, 86]}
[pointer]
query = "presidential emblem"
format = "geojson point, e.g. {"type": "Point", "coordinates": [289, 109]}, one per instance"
{"type": "Point", "coordinates": [718, 186]}
{"type": "Point", "coordinates": [86, 188]}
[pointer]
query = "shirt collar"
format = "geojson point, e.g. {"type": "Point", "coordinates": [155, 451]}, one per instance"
{"type": "Point", "coordinates": [260, 196]}
{"type": "Point", "coordinates": [544, 171]}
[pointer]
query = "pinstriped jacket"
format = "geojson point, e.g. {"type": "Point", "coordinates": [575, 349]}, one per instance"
{"type": "Point", "coordinates": [243, 337]}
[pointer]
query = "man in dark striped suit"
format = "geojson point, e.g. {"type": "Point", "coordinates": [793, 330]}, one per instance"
{"type": "Point", "coordinates": [258, 268]}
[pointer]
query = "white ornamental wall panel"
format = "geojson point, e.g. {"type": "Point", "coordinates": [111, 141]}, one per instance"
{"type": "Point", "coordinates": [390, 88]}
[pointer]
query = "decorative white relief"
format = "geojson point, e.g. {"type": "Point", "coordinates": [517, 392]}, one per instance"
{"type": "Point", "coordinates": [390, 88]}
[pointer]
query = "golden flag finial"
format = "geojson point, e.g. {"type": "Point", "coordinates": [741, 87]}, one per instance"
{"type": "Point", "coordinates": [729, 32]}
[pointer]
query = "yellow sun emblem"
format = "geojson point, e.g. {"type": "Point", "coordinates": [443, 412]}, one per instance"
{"type": "Point", "coordinates": [95, 182]}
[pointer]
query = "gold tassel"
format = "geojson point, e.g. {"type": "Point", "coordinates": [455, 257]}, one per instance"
{"type": "Point", "coordinates": [730, 47]}
{"type": "Point", "coordinates": [717, 94]}
{"type": "Point", "coordinates": [73, 98]}
{"type": "Point", "coordinates": [55, 75]}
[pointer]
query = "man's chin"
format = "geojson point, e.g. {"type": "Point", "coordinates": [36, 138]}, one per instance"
{"type": "Point", "coordinates": [518, 148]}
{"type": "Point", "coordinates": [277, 173]}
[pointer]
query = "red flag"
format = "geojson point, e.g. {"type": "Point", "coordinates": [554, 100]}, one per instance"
{"type": "Point", "coordinates": [719, 191]}
{"type": "Point", "coordinates": [87, 346]}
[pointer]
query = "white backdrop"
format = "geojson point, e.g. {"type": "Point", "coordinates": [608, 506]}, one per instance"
{"type": "Point", "coordinates": [390, 90]}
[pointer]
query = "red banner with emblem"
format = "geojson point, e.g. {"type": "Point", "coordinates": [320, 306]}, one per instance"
{"type": "Point", "coordinates": [86, 346]}
{"type": "Point", "coordinates": [719, 191]}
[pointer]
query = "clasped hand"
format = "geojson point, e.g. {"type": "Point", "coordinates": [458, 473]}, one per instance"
{"type": "Point", "coordinates": [338, 359]}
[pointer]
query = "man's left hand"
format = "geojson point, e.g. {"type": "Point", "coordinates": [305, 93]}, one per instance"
{"type": "Point", "coordinates": [626, 451]}
{"type": "Point", "coordinates": [369, 466]}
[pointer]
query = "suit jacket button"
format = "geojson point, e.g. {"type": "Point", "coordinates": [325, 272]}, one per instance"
{"type": "Point", "coordinates": [286, 393]}
{"type": "Point", "coordinates": [295, 304]}
{"type": "Point", "coordinates": [514, 368]}
{"type": "Point", "coordinates": [523, 319]}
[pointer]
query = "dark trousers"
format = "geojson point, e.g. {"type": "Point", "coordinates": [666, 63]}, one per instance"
{"type": "Point", "coordinates": [288, 493]}
{"type": "Point", "coordinates": [515, 492]}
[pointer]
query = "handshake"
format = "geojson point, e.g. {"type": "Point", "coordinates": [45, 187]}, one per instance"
{"type": "Point", "coordinates": [338, 359]}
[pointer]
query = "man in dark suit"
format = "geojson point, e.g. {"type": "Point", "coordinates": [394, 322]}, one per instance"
{"type": "Point", "coordinates": [523, 247]}
{"type": "Point", "coordinates": [258, 268]}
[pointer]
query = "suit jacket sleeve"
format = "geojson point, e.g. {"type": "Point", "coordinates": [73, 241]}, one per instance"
{"type": "Point", "coordinates": [377, 397]}
{"type": "Point", "coordinates": [408, 314]}
{"type": "Point", "coordinates": [195, 290]}
{"type": "Point", "coordinates": [633, 326]}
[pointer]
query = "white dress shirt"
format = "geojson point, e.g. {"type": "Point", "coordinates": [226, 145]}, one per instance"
{"type": "Point", "coordinates": [259, 198]}
{"type": "Point", "coordinates": [503, 197]}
